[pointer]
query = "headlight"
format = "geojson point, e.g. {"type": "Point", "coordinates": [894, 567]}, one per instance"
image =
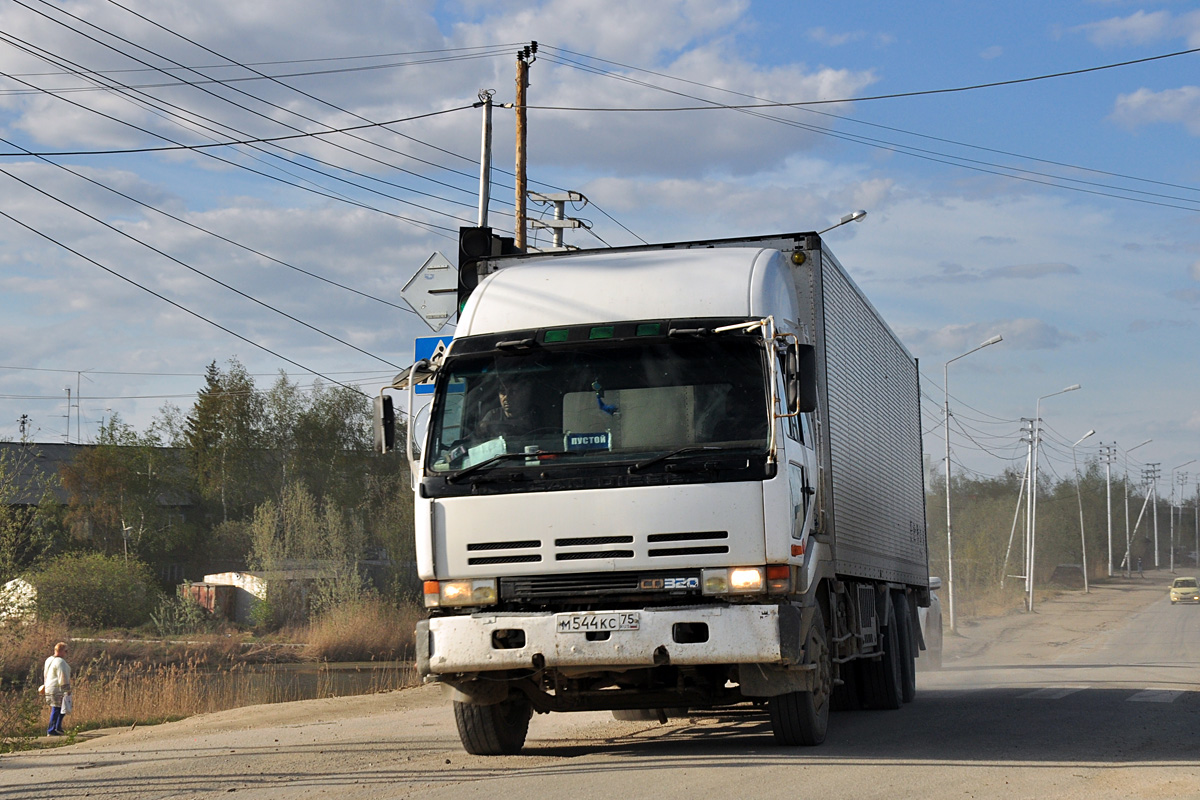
{"type": "Point", "coordinates": [477, 592]}
{"type": "Point", "coordinates": [732, 580]}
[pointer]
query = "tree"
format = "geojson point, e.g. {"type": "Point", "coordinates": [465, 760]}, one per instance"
{"type": "Point", "coordinates": [124, 492]}
{"type": "Point", "coordinates": [96, 591]}
{"type": "Point", "coordinates": [318, 542]}
{"type": "Point", "coordinates": [30, 517]}
{"type": "Point", "coordinates": [225, 441]}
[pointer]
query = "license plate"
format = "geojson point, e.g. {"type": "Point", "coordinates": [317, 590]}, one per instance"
{"type": "Point", "coordinates": [596, 621]}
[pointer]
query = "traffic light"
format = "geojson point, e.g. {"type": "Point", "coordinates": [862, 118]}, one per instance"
{"type": "Point", "coordinates": [474, 245]}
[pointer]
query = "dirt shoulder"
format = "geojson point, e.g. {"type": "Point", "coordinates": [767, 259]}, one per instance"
{"type": "Point", "coordinates": [1057, 624]}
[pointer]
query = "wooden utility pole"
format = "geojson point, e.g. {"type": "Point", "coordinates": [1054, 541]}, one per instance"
{"type": "Point", "coordinates": [525, 57]}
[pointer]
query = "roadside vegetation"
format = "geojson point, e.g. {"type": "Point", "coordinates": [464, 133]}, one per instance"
{"type": "Point", "coordinates": [282, 479]}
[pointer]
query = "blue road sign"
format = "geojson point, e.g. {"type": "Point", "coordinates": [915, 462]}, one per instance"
{"type": "Point", "coordinates": [426, 346]}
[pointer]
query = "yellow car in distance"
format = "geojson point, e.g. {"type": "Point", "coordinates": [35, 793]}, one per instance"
{"type": "Point", "coordinates": [1185, 590]}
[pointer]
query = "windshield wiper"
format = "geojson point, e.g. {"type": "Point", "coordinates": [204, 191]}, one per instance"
{"type": "Point", "coordinates": [695, 448]}
{"type": "Point", "coordinates": [496, 459]}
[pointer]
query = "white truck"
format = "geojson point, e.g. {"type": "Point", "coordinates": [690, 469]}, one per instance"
{"type": "Point", "coordinates": [677, 476]}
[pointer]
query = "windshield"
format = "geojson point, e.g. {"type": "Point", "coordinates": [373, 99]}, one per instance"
{"type": "Point", "coordinates": [597, 402]}
{"type": "Point", "coordinates": [1186, 583]}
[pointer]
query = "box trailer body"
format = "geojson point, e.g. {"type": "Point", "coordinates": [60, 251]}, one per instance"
{"type": "Point", "coordinates": [681, 475]}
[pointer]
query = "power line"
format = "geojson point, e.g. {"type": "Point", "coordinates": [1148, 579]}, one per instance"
{"type": "Point", "coordinates": [430, 227]}
{"type": "Point", "coordinates": [199, 272]}
{"type": "Point", "coordinates": [123, 91]}
{"type": "Point", "coordinates": [487, 51]}
{"type": "Point", "coordinates": [963, 162]}
{"type": "Point", "coordinates": [165, 299]}
{"type": "Point", "coordinates": [225, 239]}
{"type": "Point", "coordinates": [256, 98]}
{"type": "Point", "coordinates": [852, 119]}
{"type": "Point", "coordinates": [895, 95]}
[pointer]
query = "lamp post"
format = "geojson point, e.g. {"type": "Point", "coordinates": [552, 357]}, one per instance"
{"type": "Point", "coordinates": [853, 216]}
{"type": "Point", "coordinates": [949, 538]}
{"type": "Point", "coordinates": [1128, 550]}
{"type": "Point", "coordinates": [1173, 469]}
{"type": "Point", "coordinates": [1079, 495]}
{"type": "Point", "coordinates": [1033, 482]}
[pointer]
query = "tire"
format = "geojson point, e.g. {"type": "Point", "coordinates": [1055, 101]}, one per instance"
{"type": "Point", "coordinates": [907, 648]}
{"type": "Point", "coordinates": [495, 730]}
{"type": "Point", "coordinates": [802, 718]}
{"type": "Point", "coordinates": [881, 679]}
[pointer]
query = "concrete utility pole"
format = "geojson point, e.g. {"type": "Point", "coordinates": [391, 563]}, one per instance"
{"type": "Point", "coordinates": [1109, 453]}
{"type": "Point", "coordinates": [1181, 479]}
{"type": "Point", "coordinates": [1128, 543]}
{"type": "Point", "coordinates": [1033, 485]}
{"type": "Point", "coordinates": [1016, 516]}
{"type": "Point", "coordinates": [1150, 475]}
{"type": "Point", "coordinates": [485, 157]}
{"type": "Point", "coordinates": [1079, 496]}
{"type": "Point", "coordinates": [525, 57]}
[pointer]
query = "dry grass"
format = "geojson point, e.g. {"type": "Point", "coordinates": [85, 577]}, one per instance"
{"type": "Point", "coordinates": [368, 630]}
{"type": "Point", "coordinates": [109, 694]}
{"type": "Point", "coordinates": [26, 646]}
{"type": "Point", "coordinates": [126, 682]}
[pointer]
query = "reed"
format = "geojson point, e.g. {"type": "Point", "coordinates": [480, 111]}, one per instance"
{"type": "Point", "coordinates": [111, 694]}
{"type": "Point", "coordinates": [371, 629]}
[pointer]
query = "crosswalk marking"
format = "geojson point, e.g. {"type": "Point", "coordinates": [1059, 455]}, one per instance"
{"type": "Point", "coordinates": [1155, 696]}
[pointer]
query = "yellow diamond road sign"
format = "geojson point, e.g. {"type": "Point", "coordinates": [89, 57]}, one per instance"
{"type": "Point", "coordinates": [433, 291]}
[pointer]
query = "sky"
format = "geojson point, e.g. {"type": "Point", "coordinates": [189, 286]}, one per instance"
{"type": "Point", "coordinates": [1022, 178]}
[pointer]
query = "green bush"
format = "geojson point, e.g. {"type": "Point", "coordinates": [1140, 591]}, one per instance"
{"type": "Point", "coordinates": [96, 591]}
{"type": "Point", "coordinates": [176, 616]}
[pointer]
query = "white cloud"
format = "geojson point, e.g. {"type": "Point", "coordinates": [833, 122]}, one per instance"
{"type": "Point", "coordinates": [1137, 28]}
{"type": "Point", "coordinates": [1195, 270]}
{"type": "Point", "coordinates": [995, 51]}
{"type": "Point", "coordinates": [1019, 334]}
{"type": "Point", "coordinates": [1145, 107]}
{"type": "Point", "coordinates": [1141, 28]}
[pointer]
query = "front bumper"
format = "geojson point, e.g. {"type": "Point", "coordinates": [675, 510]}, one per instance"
{"type": "Point", "coordinates": [736, 634]}
{"type": "Point", "coordinates": [1185, 598]}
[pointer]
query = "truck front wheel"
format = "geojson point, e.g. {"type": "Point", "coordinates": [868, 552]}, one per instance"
{"type": "Point", "coordinates": [801, 718]}
{"type": "Point", "coordinates": [495, 730]}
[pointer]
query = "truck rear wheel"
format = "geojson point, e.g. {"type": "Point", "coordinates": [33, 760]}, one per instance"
{"type": "Point", "coordinates": [801, 718]}
{"type": "Point", "coordinates": [908, 649]}
{"type": "Point", "coordinates": [495, 730]}
{"type": "Point", "coordinates": [881, 680]}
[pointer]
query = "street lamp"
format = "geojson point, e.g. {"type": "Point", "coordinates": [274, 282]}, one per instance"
{"type": "Point", "coordinates": [853, 216]}
{"type": "Point", "coordinates": [1079, 495]}
{"type": "Point", "coordinates": [1033, 485]}
{"type": "Point", "coordinates": [1173, 469]}
{"type": "Point", "coordinates": [949, 539]}
{"type": "Point", "coordinates": [1128, 548]}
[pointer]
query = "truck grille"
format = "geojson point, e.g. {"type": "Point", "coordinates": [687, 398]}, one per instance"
{"type": "Point", "coordinates": [589, 548]}
{"type": "Point", "coordinates": [594, 584]}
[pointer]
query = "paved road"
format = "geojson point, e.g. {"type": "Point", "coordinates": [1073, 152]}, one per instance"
{"type": "Point", "coordinates": [1093, 697]}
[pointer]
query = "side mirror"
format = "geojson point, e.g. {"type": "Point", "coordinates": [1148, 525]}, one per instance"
{"type": "Point", "coordinates": [385, 424]}
{"type": "Point", "coordinates": [801, 366]}
{"type": "Point", "coordinates": [807, 376]}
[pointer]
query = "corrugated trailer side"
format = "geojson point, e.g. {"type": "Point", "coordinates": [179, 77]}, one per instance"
{"type": "Point", "coordinates": [870, 406]}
